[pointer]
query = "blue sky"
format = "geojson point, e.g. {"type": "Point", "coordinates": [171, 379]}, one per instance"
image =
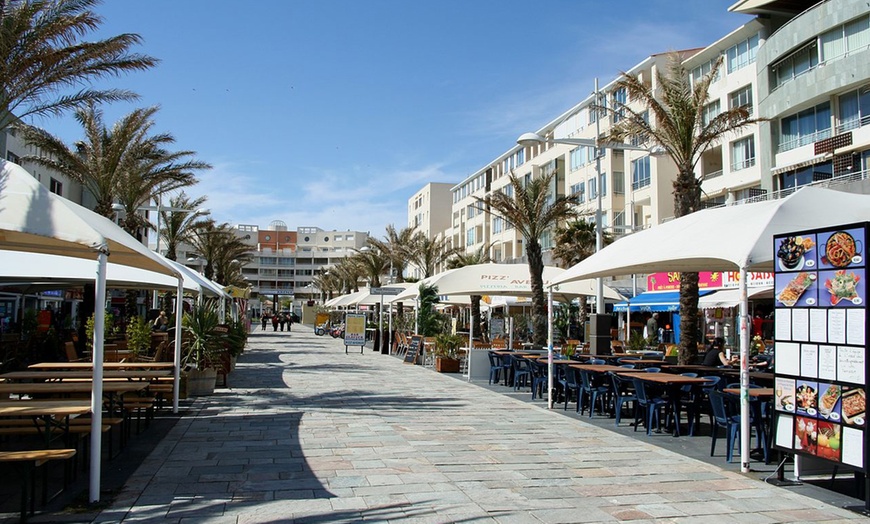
{"type": "Point", "coordinates": [332, 113]}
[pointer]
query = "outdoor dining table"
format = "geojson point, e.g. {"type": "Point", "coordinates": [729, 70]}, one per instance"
{"type": "Point", "coordinates": [112, 390]}
{"type": "Point", "coordinates": [674, 384]}
{"type": "Point", "coordinates": [106, 365]}
{"type": "Point", "coordinates": [47, 410]}
{"type": "Point", "coordinates": [57, 376]}
{"type": "Point", "coordinates": [603, 368]}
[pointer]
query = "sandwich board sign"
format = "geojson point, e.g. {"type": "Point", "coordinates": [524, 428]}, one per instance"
{"type": "Point", "coordinates": [354, 331]}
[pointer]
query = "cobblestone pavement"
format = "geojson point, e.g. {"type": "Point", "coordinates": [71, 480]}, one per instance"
{"type": "Point", "coordinates": [307, 433]}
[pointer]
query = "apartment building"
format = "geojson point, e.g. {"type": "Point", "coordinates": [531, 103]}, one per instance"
{"type": "Point", "coordinates": [284, 262]}
{"type": "Point", "coordinates": [14, 149]}
{"type": "Point", "coordinates": [425, 209]}
{"type": "Point", "coordinates": [800, 66]}
{"type": "Point", "coordinates": [814, 87]}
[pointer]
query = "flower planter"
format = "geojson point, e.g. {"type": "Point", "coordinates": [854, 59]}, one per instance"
{"type": "Point", "coordinates": [201, 383]}
{"type": "Point", "coordinates": [446, 365]}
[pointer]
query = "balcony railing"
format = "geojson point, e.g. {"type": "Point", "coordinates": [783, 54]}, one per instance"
{"type": "Point", "coordinates": [713, 174]}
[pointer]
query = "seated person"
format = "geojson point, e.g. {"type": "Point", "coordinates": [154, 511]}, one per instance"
{"type": "Point", "coordinates": [161, 323]}
{"type": "Point", "coordinates": [715, 355]}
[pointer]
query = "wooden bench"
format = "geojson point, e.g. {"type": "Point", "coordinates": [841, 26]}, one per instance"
{"type": "Point", "coordinates": [28, 461]}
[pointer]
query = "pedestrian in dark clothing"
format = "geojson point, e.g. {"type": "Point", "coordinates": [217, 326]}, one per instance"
{"type": "Point", "coordinates": [274, 322]}
{"type": "Point", "coordinates": [265, 320]}
{"type": "Point", "coordinates": [289, 321]}
{"type": "Point", "coordinates": [281, 321]}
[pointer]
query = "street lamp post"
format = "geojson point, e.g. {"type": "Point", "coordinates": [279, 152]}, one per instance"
{"type": "Point", "coordinates": [531, 139]}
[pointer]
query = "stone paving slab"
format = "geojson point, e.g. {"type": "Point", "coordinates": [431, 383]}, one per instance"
{"type": "Point", "coordinates": [307, 433]}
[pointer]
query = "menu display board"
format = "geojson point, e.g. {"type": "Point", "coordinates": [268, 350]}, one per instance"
{"type": "Point", "coordinates": [820, 332]}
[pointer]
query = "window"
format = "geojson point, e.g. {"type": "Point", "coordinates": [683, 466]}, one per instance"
{"type": "Point", "coordinates": [602, 182]}
{"type": "Point", "coordinates": [581, 156]}
{"type": "Point", "coordinates": [806, 127]}
{"type": "Point", "coordinates": [469, 237]}
{"type": "Point", "coordinates": [618, 183]}
{"type": "Point", "coordinates": [56, 187]}
{"type": "Point", "coordinates": [576, 191]}
{"type": "Point", "coordinates": [743, 153]}
{"type": "Point", "coordinates": [854, 109]}
{"type": "Point", "coordinates": [12, 157]}
{"type": "Point", "coordinates": [470, 213]}
{"type": "Point", "coordinates": [497, 224]}
{"type": "Point", "coordinates": [591, 184]}
{"type": "Point", "coordinates": [710, 111]}
{"type": "Point", "coordinates": [581, 192]}
{"type": "Point", "coordinates": [742, 54]}
{"type": "Point", "coordinates": [795, 64]}
{"type": "Point", "coordinates": [845, 39]}
{"type": "Point", "coordinates": [741, 98]}
{"type": "Point", "coordinates": [704, 69]}
{"type": "Point", "coordinates": [640, 173]}
{"type": "Point", "coordinates": [620, 98]}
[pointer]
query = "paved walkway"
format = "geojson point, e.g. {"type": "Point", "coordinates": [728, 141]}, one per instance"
{"type": "Point", "coordinates": [309, 434]}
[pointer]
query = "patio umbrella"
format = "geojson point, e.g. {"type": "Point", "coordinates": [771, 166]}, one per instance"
{"type": "Point", "coordinates": [728, 238]}
{"type": "Point", "coordinates": [33, 219]}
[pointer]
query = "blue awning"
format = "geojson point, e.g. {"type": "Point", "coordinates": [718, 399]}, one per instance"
{"type": "Point", "coordinates": [668, 301]}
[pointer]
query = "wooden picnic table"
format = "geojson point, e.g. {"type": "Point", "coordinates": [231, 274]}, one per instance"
{"type": "Point", "coordinates": [674, 384]}
{"type": "Point", "coordinates": [66, 388]}
{"type": "Point", "coordinates": [106, 365]}
{"type": "Point", "coordinates": [58, 376]}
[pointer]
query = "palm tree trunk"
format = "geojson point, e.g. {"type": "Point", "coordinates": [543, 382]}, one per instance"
{"type": "Point", "coordinates": [687, 200]}
{"type": "Point", "coordinates": [539, 306]}
{"type": "Point", "coordinates": [582, 316]}
{"type": "Point", "coordinates": [475, 313]}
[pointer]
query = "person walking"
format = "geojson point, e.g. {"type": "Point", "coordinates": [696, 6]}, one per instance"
{"type": "Point", "coordinates": [652, 327]}
{"type": "Point", "coordinates": [281, 321]}
{"type": "Point", "coordinates": [289, 321]}
{"type": "Point", "coordinates": [265, 320]}
{"type": "Point", "coordinates": [274, 322]}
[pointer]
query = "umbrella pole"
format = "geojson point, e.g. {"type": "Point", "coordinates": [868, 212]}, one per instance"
{"type": "Point", "coordinates": [744, 374]}
{"type": "Point", "coordinates": [550, 348]}
{"type": "Point", "coordinates": [97, 388]}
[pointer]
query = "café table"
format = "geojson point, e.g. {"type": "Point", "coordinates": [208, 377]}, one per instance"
{"type": "Point", "coordinates": [674, 384]}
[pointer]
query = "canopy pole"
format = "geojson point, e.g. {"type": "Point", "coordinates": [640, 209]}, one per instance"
{"type": "Point", "coordinates": [510, 332]}
{"type": "Point", "coordinates": [176, 377]}
{"type": "Point", "coordinates": [550, 348]}
{"type": "Point", "coordinates": [470, 344]}
{"type": "Point", "coordinates": [97, 387]}
{"type": "Point", "coordinates": [744, 373]}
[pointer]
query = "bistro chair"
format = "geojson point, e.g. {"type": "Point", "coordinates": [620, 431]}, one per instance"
{"type": "Point", "coordinates": [539, 378]}
{"type": "Point", "coordinates": [651, 404]}
{"type": "Point", "coordinates": [593, 390]}
{"type": "Point", "coordinates": [494, 367]}
{"type": "Point", "coordinates": [624, 393]}
{"type": "Point", "coordinates": [652, 370]}
{"type": "Point", "coordinates": [507, 366]}
{"type": "Point", "coordinates": [596, 361]}
{"type": "Point", "coordinates": [626, 360]}
{"type": "Point", "coordinates": [702, 396]}
{"type": "Point", "coordinates": [522, 371]}
{"type": "Point", "coordinates": [570, 383]}
{"type": "Point", "coordinates": [627, 366]}
{"type": "Point", "coordinates": [723, 418]}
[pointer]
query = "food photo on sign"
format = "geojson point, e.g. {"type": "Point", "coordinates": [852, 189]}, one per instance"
{"type": "Point", "coordinates": [853, 403]}
{"type": "Point", "coordinates": [843, 288]}
{"type": "Point", "coordinates": [841, 249]}
{"type": "Point", "coordinates": [796, 289]}
{"type": "Point", "coordinates": [796, 252]}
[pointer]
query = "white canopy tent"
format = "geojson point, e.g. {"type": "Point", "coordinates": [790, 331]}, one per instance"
{"type": "Point", "coordinates": [501, 279]}
{"type": "Point", "coordinates": [728, 238]}
{"type": "Point", "coordinates": [33, 219]}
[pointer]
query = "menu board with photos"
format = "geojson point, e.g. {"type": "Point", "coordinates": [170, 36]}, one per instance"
{"type": "Point", "coordinates": [820, 331]}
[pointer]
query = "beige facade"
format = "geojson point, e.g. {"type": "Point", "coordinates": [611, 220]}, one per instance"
{"type": "Point", "coordinates": [425, 209]}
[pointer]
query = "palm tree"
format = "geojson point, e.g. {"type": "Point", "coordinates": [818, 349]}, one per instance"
{"type": "Point", "coordinates": [678, 125]}
{"type": "Point", "coordinates": [481, 256]}
{"type": "Point", "coordinates": [373, 264]}
{"type": "Point", "coordinates": [176, 227]}
{"type": "Point", "coordinates": [217, 244]}
{"type": "Point", "coordinates": [43, 51]}
{"type": "Point", "coordinates": [126, 158]}
{"type": "Point", "coordinates": [575, 242]}
{"type": "Point", "coordinates": [395, 246]}
{"type": "Point", "coordinates": [348, 273]}
{"type": "Point", "coordinates": [427, 254]}
{"type": "Point", "coordinates": [533, 211]}
{"type": "Point", "coordinates": [328, 283]}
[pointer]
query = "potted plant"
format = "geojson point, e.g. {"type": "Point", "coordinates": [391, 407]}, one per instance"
{"type": "Point", "coordinates": [138, 336]}
{"type": "Point", "coordinates": [201, 346]}
{"type": "Point", "coordinates": [446, 352]}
